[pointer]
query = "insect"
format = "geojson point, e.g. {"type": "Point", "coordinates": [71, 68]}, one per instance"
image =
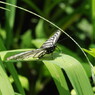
{"type": "Point", "coordinates": [46, 48]}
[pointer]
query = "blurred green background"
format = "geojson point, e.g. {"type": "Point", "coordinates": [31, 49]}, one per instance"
{"type": "Point", "coordinates": [20, 30]}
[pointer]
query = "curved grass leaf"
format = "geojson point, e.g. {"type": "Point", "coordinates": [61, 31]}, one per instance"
{"type": "Point", "coordinates": [17, 93]}
{"type": "Point", "coordinates": [40, 33]}
{"type": "Point", "coordinates": [5, 85]}
{"type": "Point", "coordinates": [6, 54]}
{"type": "Point", "coordinates": [10, 16]}
{"type": "Point", "coordinates": [74, 71]}
{"type": "Point", "coordinates": [91, 51]}
{"type": "Point", "coordinates": [58, 78]}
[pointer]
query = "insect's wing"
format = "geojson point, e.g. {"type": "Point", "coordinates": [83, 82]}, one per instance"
{"type": "Point", "coordinates": [41, 53]}
{"type": "Point", "coordinates": [33, 53]}
{"type": "Point", "coordinates": [52, 40]}
{"type": "Point", "coordinates": [38, 52]}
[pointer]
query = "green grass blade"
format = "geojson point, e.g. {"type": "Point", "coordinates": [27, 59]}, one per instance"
{"type": "Point", "coordinates": [6, 54]}
{"type": "Point", "coordinates": [91, 51]}
{"type": "Point", "coordinates": [5, 85]}
{"type": "Point", "coordinates": [10, 16]}
{"type": "Point", "coordinates": [12, 70]}
{"type": "Point", "coordinates": [93, 18]}
{"type": "Point", "coordinates": [40, 33]}
{"type": "Point", "coordinates": [17, 93]}
{"type": "Point", "coordinates": [58, 78]}
{"type": "Point", "coordinates": [2, 48]}
{"type": "Point", "coordinates": [14, 74]}
{"type": "Point", "coordinates": [1, 45]}
{"type": "Point", "coordinates": [75, 73]}
{"type": "Point", "coordinates": [33, 6]}
{"type": "Point", "coordinates": [51, 6]}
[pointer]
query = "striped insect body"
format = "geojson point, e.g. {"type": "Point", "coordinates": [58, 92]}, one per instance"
{"type": "Point", "coordinates": [46, 48]}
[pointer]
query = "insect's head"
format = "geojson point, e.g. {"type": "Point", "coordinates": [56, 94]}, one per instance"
{"type": "Point", "coordinates": [50, 49]}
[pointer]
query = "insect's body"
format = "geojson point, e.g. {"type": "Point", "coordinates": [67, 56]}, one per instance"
{"type": "Point", "coordinates": [50, 49]}
{"type": "Point", "coordinates": [46, 48]}
{"type": "Point", "coordinates": [47, 51]}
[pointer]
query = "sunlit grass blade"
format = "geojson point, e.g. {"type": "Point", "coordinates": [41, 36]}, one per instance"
{"type": "Point", "coordinates": [91, 51]}
{"type": "Point", "coordinates": [14, 74]}
{"type": "Point", "coordinates": [6, 54]}
{"type": "Point", "coordinates": [5, 85]}
{"type": "Point", "coordinates": [12, 70]}
{"type": "Point", "coordinates": [75, 73]}
{"type": "Point", "coordinates": [40, 33]}
{"type": "Point", "coordinates": [17, 93]}
{"type": "Point", "coordinates": [58, 77]}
